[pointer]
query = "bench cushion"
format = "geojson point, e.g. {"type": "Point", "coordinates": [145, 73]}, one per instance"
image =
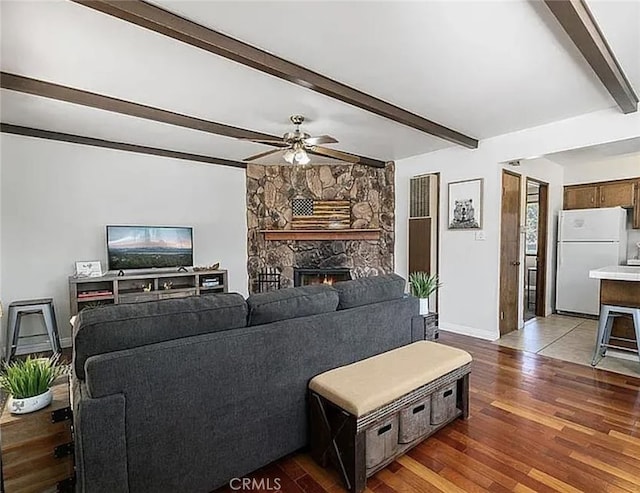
{"type": "Point", "coordinates": [366, 385]}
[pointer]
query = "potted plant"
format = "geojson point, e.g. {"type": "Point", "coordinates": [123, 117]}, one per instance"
{"type": "Point", "coordinates": [29, 383]}
{"type": "Point", "coordinates": [422, 286]}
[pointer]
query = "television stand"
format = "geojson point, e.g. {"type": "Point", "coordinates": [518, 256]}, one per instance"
{"type": "Point", "coordinates": [119, 288]}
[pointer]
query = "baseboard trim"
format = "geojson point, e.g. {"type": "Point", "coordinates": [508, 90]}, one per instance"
{"type": "Point", "coordinates": [468, 331]}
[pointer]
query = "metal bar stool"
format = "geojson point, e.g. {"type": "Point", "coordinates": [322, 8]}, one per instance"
{"type": "Point", "coordinates": [18, 309]}
{"type": "Point", "coordinates": [607, 315]}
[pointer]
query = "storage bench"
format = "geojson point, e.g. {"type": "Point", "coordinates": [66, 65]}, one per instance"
{"type": "Point", "coordinates": [364, 415]}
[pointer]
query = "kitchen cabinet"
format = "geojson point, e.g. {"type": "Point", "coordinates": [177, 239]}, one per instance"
{"type": "Point", "coordinates": [617, 194]}
{"type": "Point", "coordinates": [580, 197]}
{"type": "Point", "coordinates": [620, 193]}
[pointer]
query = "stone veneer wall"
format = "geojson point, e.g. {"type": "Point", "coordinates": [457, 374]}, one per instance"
{"type": "Point", "coordinates": [270, 190]}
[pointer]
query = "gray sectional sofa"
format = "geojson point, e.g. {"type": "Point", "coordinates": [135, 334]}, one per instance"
{"type": "Point", "coordinates": [186, 394]}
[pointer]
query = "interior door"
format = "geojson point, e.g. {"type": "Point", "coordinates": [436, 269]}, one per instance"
{"type": "Point", "coordinates": [543, 233]}
{"type": "Point", "coordinates": [510, 252]}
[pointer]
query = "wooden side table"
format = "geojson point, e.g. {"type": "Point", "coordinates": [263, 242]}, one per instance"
{"type": "Point", "coordinates": [430, 322]}
{"type": "Point", "coordinates": [37, 448]}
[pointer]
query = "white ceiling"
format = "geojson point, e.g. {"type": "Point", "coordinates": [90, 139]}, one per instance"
{"type": "Point", "coordinates": [483, 68]}
{"type": "Point", "coordinates": [628, 148]}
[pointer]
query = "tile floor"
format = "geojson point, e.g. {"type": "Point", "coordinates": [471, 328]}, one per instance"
{"type": "Point", "coordinates": [569, 339]}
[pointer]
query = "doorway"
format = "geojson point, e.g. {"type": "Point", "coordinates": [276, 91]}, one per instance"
{"type": "Point", "coordinates": [510, 252]}
{"type": "Point", "coordinates": [535, 255]}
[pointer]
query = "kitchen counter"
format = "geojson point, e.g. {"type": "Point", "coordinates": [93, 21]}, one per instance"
{"type": "Point", "coordinates": [617, 273]}
{"type": "Point", "coordinates": [620, 285]}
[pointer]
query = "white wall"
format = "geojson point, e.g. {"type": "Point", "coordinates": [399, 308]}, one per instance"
{"type": "Point", "coordinates": [615, 168]}
{"type": "Point", "coordinates": [56, 199]}
{"type": "Point", "coordinates": [469, 269]}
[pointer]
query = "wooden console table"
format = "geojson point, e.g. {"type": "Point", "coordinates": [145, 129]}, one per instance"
{"type": "Point", "coordinates": [135, 288]}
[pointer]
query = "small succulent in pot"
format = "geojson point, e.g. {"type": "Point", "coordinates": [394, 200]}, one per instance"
{"type": "Point", "coordinates": [423, 285]}
{"type": "Point", "coordinates": [29, 383]}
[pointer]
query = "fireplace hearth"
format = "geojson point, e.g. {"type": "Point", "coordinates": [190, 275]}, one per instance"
{"type": "Point", "coordinates": [306, 277]}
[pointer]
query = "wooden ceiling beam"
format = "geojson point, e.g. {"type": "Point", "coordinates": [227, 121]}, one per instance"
{"type": "Point", "coordinates": [120, 146]}
{"type": "Point", "coordinates": [161, 21]}
{"type": "Point", "coordinates": [59, 92]}
{"type": "Point", "coordinates": [576, 19]}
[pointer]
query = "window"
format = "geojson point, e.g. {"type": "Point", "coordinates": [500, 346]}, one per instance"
{"type": "Point", "coordinates": [532, 229]}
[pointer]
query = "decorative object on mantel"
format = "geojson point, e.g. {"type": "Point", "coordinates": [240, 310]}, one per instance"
{"type": "Point", "coordinates": [199, 268]}
{"type": "Point", "coordinates": [29, 383]}
{"type": "Point", "coordinates": [465, 204]}
{"type": "Point", "coordinates": [422, 286]}
{"type": "Point", "coordinates": [297, 147]}
{"type": "Point", "coordinates": [320, 214]}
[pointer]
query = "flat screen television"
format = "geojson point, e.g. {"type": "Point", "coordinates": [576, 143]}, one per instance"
{"type": "Point", "coordinates": [149, 247]}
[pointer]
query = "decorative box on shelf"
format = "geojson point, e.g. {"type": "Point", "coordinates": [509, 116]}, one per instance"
{"type": "Point", "coordinates": [37, 447]}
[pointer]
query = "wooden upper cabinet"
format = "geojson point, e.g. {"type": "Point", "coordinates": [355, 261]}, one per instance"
{"type": "Point", "coordinates": [617, 194]}
{"type": "Point", "coordinates": [621, 193]}
{"type": "Point", "coordinates": [581, 197]}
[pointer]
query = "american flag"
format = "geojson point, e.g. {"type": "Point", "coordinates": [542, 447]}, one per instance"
{"type": "Point", "coordinates": [321, 214]}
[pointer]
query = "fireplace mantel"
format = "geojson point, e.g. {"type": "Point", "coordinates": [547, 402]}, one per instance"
{"type": "Point", "coordinates": [320, 234]}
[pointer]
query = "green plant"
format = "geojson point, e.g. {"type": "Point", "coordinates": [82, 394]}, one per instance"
{"type": "Point", "coordinates": [31, 377]}
{"type": "Point", "coordinates": [423, 284]}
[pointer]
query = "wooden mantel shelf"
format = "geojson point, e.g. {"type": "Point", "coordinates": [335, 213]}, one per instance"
{"type": "Point", "coordinates": [320, 234]}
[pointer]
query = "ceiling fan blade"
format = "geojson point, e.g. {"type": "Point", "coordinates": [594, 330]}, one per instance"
{"type": "Point", "coordinates": [320, 139]}
{"type": "Point", "coordinates": [262, 154]}
{"type": "Point", "coordinates": [277, 142]}
{"type": "Point", "coordinates": [342, 156]}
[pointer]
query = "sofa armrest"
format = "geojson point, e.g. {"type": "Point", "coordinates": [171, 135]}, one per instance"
{"type": "Point", "coordinates": [100, 442]}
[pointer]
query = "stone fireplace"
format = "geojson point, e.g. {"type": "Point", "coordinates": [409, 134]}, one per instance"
{"type": "Point", "coordinates": [270, 192]}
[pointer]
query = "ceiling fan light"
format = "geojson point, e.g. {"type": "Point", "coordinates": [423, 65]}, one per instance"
{"type": "Point", "coordinates": [301, 157]}
{"type": "Point", "coordinates": [289, 156]}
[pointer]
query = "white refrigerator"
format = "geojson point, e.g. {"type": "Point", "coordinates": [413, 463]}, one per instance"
{"type": "Point", "coordinates": [587, 239]}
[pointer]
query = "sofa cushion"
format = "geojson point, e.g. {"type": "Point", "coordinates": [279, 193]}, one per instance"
{"type": "Point", "coordinates": [117, 327]}
{"type": "Point", "coordinates": [368, 290]}
{"type": "Point", "coordinates": [289, 303]}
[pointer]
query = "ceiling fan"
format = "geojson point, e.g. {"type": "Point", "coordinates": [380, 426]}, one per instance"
{"type": "Point", "coordinates": [296, 146]}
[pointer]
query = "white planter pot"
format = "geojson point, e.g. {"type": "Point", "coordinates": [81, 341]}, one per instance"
{"type": "Point", "coordinates": [30, 404]}
{"type": "Point", "coordinates": [424, 306]}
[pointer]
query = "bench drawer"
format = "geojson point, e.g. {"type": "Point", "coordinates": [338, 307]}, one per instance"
{"type": "Point", "coordinates": [443, 404]}
{"type": "Point", "coordinates": [381, 441]}
{"type": "Point", "coordinates": [415, 421]}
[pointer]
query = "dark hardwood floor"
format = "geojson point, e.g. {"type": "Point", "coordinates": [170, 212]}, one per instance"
{"type": "Point", "coordinates": [537, 425]}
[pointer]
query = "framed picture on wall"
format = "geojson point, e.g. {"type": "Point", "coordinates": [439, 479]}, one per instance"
{"type": "Point", "coordinates": [90, 268]}
{"type": "Point", "coordinates": [465, 204]}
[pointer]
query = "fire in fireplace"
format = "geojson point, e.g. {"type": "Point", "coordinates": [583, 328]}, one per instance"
{"type": "Point", "coordinates": [306, 277]}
